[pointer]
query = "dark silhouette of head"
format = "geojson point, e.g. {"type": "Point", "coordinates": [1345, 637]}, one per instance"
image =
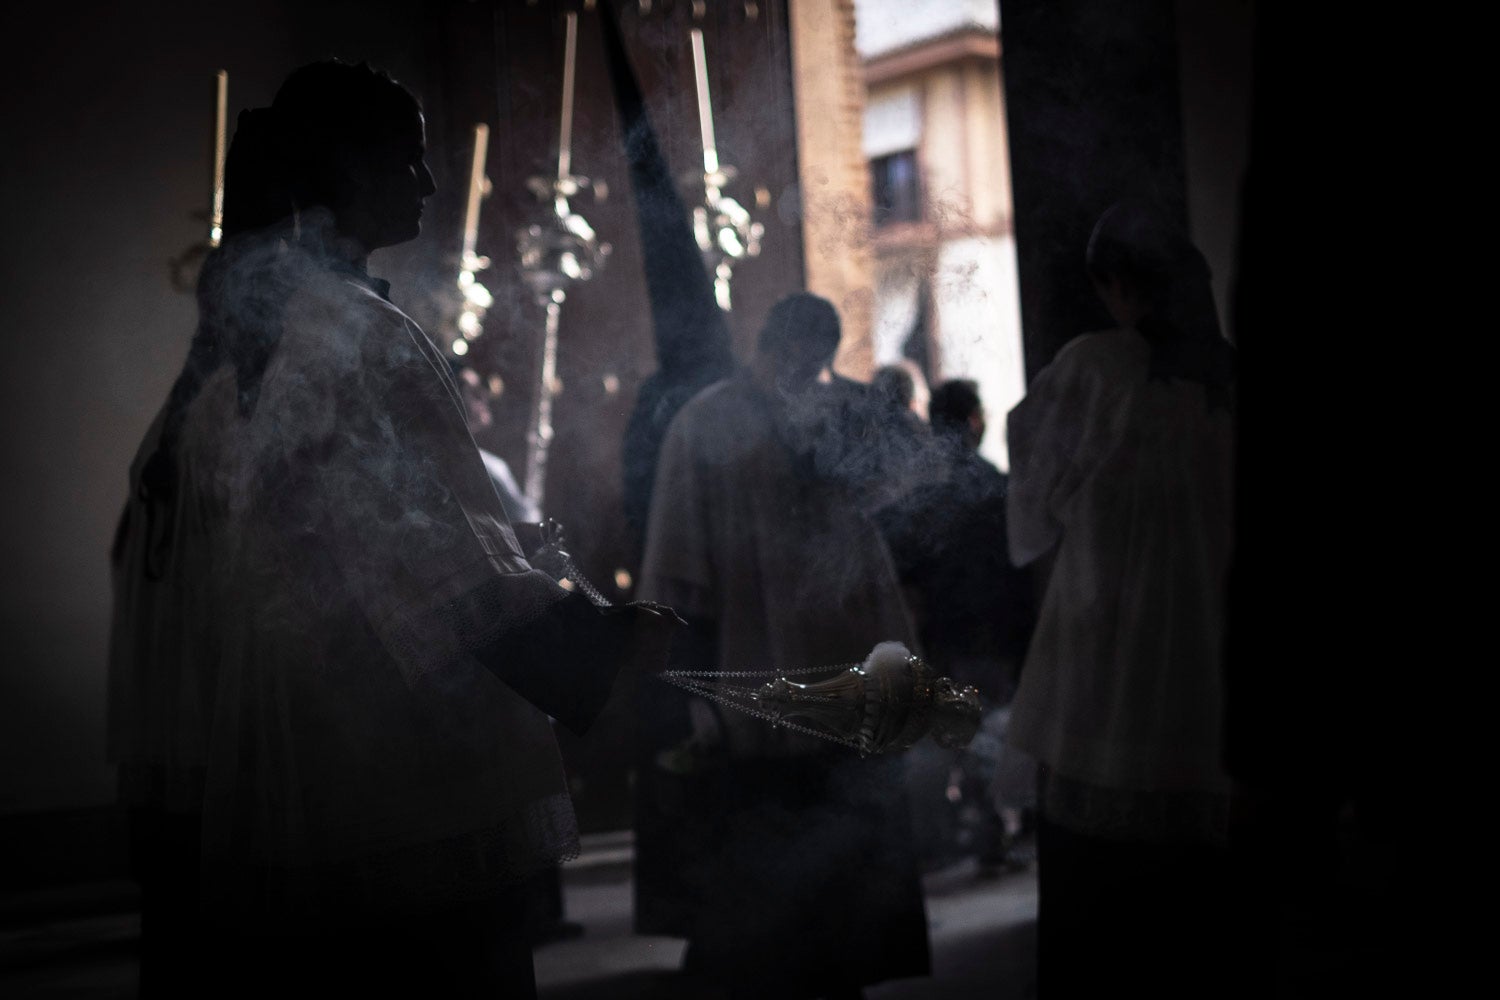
{"type": "Point", "coordinates": [342, 138]}
{"type": "Point", "coordinates": [1153, 280]}
{"type": "Point", "coordinates": [895, 385]}
{"type": "Point", "coordinates": [1138, 261]}
{"type": "Point", "coordinates": [477, 397]}
{"type": "Point", "coordinates": [798, 340]}
{"type": "Point", "coordinates": [956, 410]}
{"type": "Point", "coordinates": [341, 144]}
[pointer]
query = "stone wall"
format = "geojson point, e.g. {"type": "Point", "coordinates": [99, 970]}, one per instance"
{"type": "Point", "coordinates": [834, 181]}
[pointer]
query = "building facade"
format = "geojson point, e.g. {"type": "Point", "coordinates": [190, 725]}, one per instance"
{"type": "Point", "coordinates": [945, 292]}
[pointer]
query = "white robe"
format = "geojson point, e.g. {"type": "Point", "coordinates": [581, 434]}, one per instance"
{"type": "Point", "coordinates": [1129, 478]}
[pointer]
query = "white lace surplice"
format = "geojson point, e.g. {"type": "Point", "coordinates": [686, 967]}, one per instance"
{"type": "Point", "coordinates": [361, 760]}
{"type": "Point", "coordinates": [1130, 477]}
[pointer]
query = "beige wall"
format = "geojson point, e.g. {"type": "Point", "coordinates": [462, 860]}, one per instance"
{"type": "Point", "coordinates": [834, 179]}
{"type": "Point", "coordinates": [964, 154]}
{"type": "Point", "coordinates": [989, 151]}
{"type": "Point", "coordinates": [962, 250]}
{"type": "Point", "coordinates": [964, 157]}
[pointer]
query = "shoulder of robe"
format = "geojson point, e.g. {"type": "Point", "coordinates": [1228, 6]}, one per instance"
{"type": "Point", "coordinates": [1097, 360]}
{"type": "Point", "coordinates": [322, 326]}
{"type": "Point", "coordinates": [708, 413]}
{"type": "Point", "coordinates": [322, 370]}
{"type": "Point", "coordinates": [344, 328]}
{"type": "Point", "coordinates": [712, 396]}
{"type": "Point", "coordinates": [1102, 350]}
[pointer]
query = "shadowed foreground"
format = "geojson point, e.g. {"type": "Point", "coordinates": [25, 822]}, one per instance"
{"type": "Point", "coordinates": [983, 940]}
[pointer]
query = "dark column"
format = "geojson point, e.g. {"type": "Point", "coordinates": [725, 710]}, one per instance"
{"type": "Point", "coordinates": [1093, 114]}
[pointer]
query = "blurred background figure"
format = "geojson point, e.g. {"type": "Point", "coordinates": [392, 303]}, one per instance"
{"type": "Point", "coordinates": [1121, 457]}
{"type": "Point", "coordinates": [477, 398]}
{"type": "Point", "coordinates": [903, 386]}
{"type": "Point", "coordinates": [974, 613]}
{"type": "Point", "coordinates": [957, 415]}
{"type": "Point", "coordinates": [803, 882]}
{"type": "Point", "coordinates": [545, 909]}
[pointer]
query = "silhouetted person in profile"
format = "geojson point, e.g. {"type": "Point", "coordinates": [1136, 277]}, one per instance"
{"type": "Point", "coordinates": [804, 883]}
{"type": "Point", "coordinates": [333, 667]}
{"type": "Point", "coordinates": [1121, 458]}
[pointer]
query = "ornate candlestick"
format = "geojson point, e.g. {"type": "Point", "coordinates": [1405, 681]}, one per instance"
{"type": "Point", "coordinates": [554, 255]}
{"type": "Point", "coordinates": [476, 298]}
{"type": "Point", "coordinates": [725, 232]}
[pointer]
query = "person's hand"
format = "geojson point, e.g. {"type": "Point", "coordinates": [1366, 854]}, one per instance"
{"type": "Point", "coordinates": [653, 628]}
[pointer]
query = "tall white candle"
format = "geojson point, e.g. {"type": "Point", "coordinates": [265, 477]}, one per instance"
{"type": "Point", "coordinates": [705, 109]}
{"type": "Point", "coordinates": [221, 136]}
{"type": "Point", "coordinates": [535, 487]}
{"type": "Point", "coordinates": [476, 193]}
{"type": "Point", "coordinates": [565, 139]}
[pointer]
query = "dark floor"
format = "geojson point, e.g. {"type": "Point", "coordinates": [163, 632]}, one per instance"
{"type": "Point", "coordinates": [983, 939]}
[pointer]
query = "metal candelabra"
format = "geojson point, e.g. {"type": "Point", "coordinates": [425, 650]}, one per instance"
{"type": "Point", "coordinates": [554, 255]}
{"type": "Point", "coordinates": [725, 231]}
